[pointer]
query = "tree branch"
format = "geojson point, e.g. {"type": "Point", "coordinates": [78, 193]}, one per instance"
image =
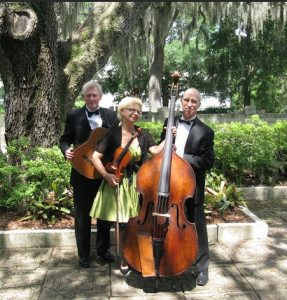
{"type": "Point", "coordinates": [93, 45]}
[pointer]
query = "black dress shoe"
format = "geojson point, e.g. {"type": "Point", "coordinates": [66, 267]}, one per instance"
{"type": "Point", "coordinates": [107, 256]}
{"type": "Point", "coordinates": [202, 278]}
{"type": "Point", "coordinates": [84, 262]}
{"type": "Point", "coordinates": [124, 269]}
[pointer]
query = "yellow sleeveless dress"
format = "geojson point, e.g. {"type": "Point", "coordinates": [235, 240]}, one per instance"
{"type": "Point", "coordinates": [104, 206]}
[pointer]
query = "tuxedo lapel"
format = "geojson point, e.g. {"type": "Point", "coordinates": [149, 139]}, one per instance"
{"type": "Point", "coordinates": [192, 132]}
{"type": "Point", "coordinates": [83, 120]}
{"type": "Point", "coordinates": [103, 117]}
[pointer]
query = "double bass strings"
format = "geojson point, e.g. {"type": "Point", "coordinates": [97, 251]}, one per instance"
{"type": "Point", "coordinates": [159, 229]}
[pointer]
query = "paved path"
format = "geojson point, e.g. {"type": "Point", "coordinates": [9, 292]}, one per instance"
{"type": "Point", "coordinates": [252, 269]}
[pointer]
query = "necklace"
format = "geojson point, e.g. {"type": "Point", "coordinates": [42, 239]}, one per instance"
{"type": "Point", "coordinates": [132, 131]}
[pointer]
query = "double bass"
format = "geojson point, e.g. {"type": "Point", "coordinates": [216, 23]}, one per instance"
{"type": "Point", "coordinates": [160, 241]}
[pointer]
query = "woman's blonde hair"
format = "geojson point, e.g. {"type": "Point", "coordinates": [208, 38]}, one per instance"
{"type": "Point", "coordinates": [126, 103]}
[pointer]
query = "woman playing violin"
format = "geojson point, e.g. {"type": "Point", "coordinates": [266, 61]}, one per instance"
{"type": "Point", "coordinates": [104, 206]}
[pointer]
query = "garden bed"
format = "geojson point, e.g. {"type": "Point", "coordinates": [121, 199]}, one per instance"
{"type": "Point", "coordinates": [13, 221]}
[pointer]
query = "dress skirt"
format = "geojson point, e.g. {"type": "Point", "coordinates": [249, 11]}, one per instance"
{"type": "Point", "coordinates": [105, 207]}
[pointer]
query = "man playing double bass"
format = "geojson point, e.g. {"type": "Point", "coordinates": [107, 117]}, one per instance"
{"type": "Point", "coordinates": [194, 143]}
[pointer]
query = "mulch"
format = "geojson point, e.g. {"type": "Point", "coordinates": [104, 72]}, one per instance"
{"type": "Point", "coordinates": [13, 221]}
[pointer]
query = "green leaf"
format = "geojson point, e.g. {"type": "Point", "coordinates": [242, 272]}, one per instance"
{"type": "Point", "coordinates": [63, 209]}
{"type": "Point", "coordinates": [53, 219]}
{"type": "Point", "coordinates": [27, 218]}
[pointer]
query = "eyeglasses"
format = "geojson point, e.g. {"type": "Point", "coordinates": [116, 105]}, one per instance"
{"type": "Point", "coordinates": [132, 110]}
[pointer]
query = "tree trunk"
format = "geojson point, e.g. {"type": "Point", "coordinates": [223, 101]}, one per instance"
{"type": "Point", "coordinates": [246, 90]}
{"type": "Point", "coordinates": [163, 21]}
{"type": "Point", "coordinates": [29, 72]}
{"type": "Point", "coordinates": [156, 71]}
{"type": "Point", "coordinates": [165, 87]}
{"type": "Point", "coordinates": [41, 83]}
{"type": "Point", "coordinates": [246, 86]}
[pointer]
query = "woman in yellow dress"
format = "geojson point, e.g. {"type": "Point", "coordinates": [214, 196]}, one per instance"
{"type": "Point", "coordinates": [104, 206]}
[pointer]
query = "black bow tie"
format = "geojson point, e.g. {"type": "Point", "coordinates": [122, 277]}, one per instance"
{"type": "Point", "coordinates": [90, 113]}
{"type": "Point", "coordinates": [184, 121]}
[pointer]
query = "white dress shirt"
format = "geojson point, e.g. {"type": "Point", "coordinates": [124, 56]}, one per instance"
{"type": "Point", "coordinates": [181, 136]}
{"type": "Point", "coordinates": [95, 121]}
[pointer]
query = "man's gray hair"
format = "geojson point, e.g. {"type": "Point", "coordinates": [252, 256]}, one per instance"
{"type": "Point", "coordinates": [90, 85]}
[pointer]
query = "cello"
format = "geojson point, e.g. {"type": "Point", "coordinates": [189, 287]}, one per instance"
{"type": "Point", "coordinates": [160, 241]}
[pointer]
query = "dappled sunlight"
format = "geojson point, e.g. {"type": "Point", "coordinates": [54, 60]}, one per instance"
{"type": "Point", "coordinates": [257, 264]}
{"type": "Point", "coordinates": [245, 269]}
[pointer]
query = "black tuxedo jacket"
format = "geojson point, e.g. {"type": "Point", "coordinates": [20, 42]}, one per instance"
{"type": "Point", "coordinates": [77, 131]}
{"type": "Point", "coordinates": [198, 152]}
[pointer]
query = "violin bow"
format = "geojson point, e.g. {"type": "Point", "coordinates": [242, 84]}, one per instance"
{"type": "Point", "coordinates": [139, 130]}
{"type": "Point", "coordinates": [117, 222]}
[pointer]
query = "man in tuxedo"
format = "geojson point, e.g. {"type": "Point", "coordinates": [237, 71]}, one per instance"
{"type": "Point", "coordinates": [79, 124]}
{"type": "Point", "coordinates": [194, 143]}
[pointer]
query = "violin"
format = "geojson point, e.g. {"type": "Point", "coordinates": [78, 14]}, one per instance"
{"type": "Point", "coordinates": [160, 241]}
{"type": "Point", "coordinates": [122, 158]}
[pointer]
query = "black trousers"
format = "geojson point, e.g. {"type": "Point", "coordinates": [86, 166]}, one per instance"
{"type": "Point", "coordinates": [195, 214]}
{"type": "Point", "coordinates": [83, 201]}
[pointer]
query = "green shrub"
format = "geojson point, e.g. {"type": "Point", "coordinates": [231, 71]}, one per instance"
{"type": "Point", "coordinates": [154, 128]}
{"type": "Point", "coordinates": [249, 150]}
{"type": "Point", "coordinates": [280, 140]}
{"type": "Point", "coordinates": [37, 183]}
{"type": "Point", "coordinates": [252, 152]}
